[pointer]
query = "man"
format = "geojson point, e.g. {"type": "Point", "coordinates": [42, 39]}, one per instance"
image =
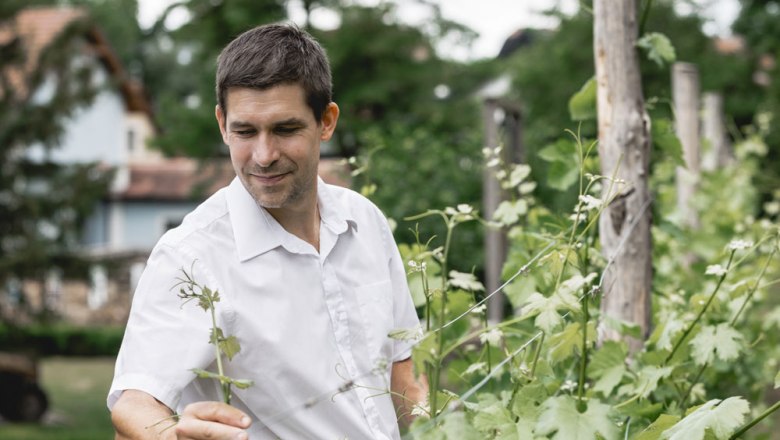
{"type": "Point", "coordinates": [309, 277]}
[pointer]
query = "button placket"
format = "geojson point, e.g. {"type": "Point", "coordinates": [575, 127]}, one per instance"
{"type": "Point", "coordinates": [336, 308]}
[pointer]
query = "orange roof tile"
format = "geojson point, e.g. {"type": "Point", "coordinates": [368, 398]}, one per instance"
{"type": "Point", "coordinates": [38, 27]}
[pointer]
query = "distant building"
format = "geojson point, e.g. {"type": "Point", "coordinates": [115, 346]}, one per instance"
{"type": "Point", "coordinates": [150, 193]}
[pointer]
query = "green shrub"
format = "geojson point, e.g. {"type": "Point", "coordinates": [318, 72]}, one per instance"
{"type": "Point", "coordinates": [62, 340]}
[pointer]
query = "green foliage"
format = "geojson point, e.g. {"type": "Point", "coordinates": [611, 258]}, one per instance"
{"type": "Point", "coordinates": [561, 416]}
{"type": "Point", "coordinates": [722, 342]}
{"type": "Point", "coordinates": [658, 47]}
{"type": "Point", "coordinates": [582, 105]}
{"type": "Point", "coordinates": [547, 376]}
{"type": "Point", "coordinates": [44, 204]}
{"type": "Point", "coordinates": [666, 141]}
{"type": "Point", "coordinates": [62, 340]}
{"type": "Point", "coordinates": [719, 417]}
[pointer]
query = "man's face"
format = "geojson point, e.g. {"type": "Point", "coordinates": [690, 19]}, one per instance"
{"type": "Point", "coordinates": [274, 144]}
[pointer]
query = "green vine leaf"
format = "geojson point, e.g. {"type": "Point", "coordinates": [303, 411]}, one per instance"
{"type": "Point", "coordinates": [721, 341]}
{"type": "Point", "coordinates": [563, 170]}
{"type": "Point", "coordinates": [608, 365]}
{"type": "Point", "coordinates": [565, 343]}
{"type": "Point", "coordinates": [664, 334]}
{"type": "Point", "coordinates": [560, 416]}
{"type": "Point", "coordinates": [661, 424]}
{"type": "Point", "coordinates": [666, 140]}
{"type": "Point", "coordinates": [204, 374]}
{"type": "Point", "coordinates": [242, 383]}
{"type": "Point", "coordinates": [456, 427]}
{"type": "Point", "coordinates": [229, 346]}
{"type": "Point", "coordinates": [582, 105]}
{"type": "Point", "coordinates": [721, 418]}
{"type": "Point", "coordinates": [495, 419]}
{"type": "Point", "coordinates": [527, 408]}
{"type": "Point", "coordinates": [546, 309]}
{"type": "Point", "coordinates": [647, 380]}
{"type": "Point", "coordinates": [658, 47]}
{"type": "Point", "coordinates": [465, 281]}
{"type": "Point", "coordinates": [509, 212]}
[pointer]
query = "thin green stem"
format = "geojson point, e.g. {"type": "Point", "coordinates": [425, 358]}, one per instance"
{"type": "Point", "coordinates": [584, 357]}
{"type": "Point", "coordinates": [755, 286]}
{"type": "Point", "coordinates": [701, 312]}
{"type": "Point", "coordinates": [443, 317]}
{"type": "Point", "coordinates": [690, 388]}
{"type": "Point", "coordinates": [645, 14]}
{"type": "Point", "coordinates": [537, 352]}
{"type": "Point", "coordinates": [755, 421]}
{"type": "Point", "coordinates": [215, 341]}
{"type": "Point", "coordinates": [426, 294]}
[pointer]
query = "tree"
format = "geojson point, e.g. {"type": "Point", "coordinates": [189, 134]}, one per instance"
{"type": "Point", "coordinates": [179, 67]}
{"type": "Point", "coordinates": [759, 23]}
{"type": "Point", "coordinates": [624, 151]}
{"type": "Point", "coordinates": [42, 204]}
{"type": "Point", "coordinates": [425, 148]}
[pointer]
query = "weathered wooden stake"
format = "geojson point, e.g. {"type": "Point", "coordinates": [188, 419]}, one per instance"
{"type": "Point", "coordinates": [495, 240]}
{"type": "Point", "coordinates": [624, 150]}
{"type": "Point", "coordinates": [685, 94]}
{"type": "Point", "coordinates": [717, 153]}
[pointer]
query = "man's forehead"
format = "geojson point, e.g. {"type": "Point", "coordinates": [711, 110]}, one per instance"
{"type": "Point", "coordinates": [279, 102]}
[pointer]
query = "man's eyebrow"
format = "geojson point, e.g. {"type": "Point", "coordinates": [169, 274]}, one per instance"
{"type": "Point", "coordinates": [238, 125]}
{"type": "Point", "coordinates": [290, 121]}
{"type": "Point", "coordinates": [235, 125]}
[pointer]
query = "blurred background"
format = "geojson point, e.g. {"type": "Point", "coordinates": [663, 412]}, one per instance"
{"type": "Point", "coordinates": [107, 139]}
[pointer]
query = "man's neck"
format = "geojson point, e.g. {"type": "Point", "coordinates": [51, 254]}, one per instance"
{"type": "Point", "coordinates": [303, 222]}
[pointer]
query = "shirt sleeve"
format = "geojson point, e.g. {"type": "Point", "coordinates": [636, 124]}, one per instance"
{"type": "Point", "coordinates": [164, 338]}
{"type": "Point", "coordinates": [404, 313]}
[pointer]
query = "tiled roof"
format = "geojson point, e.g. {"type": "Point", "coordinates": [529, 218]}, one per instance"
{"type": "Point", "coordinates": [187, 179]}
{"type": "Point", "coordinates": [38, 27]}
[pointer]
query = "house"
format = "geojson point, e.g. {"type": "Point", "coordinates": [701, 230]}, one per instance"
{"type": "Point", "coordinates": [149, 193]}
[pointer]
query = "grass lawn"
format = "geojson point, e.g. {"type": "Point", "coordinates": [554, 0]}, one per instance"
{"type": "Point", "coordinates": [77, 389]}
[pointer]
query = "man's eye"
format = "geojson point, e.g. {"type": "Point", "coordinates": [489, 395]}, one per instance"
{"type": "Point", "coordinates": [285, 130]}
{"type": "Point", "coordinates": [244, 133]}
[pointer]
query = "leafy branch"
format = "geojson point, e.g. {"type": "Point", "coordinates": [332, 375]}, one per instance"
{"type": "Point", "coordinates": [224, 345]}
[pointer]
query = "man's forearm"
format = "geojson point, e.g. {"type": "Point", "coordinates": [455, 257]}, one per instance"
{"type": "Point", "coordinates": [139, 416]}
{"type": "Point", "coordinates": [407, 389]}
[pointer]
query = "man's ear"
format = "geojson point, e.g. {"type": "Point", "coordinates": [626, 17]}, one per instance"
{"type": "Point", "coordinates": [221, 122]}
{"type": "Point", "coordinates": [329, 119]}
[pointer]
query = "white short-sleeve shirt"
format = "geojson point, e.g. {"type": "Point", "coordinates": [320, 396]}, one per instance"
{"type": "Point", "coordinates": [309, 323]}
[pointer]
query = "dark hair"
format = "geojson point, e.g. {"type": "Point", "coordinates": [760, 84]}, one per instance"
{"type": "Point", "coordinates": [274, 54]}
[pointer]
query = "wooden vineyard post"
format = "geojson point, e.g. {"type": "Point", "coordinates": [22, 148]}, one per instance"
{"type": "Point", "coordinates": [685, 94]}
{"type": "Point", "coordinates": [624, 150]}
{"type": "Point", "coordinates": [718, 154]}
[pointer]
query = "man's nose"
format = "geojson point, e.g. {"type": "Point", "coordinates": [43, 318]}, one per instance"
{"type": "Point", "coordinates": [265, 151]}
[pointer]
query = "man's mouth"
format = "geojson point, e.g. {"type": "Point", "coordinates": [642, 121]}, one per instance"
{"type": "Point", "coordinates": [269, 179]}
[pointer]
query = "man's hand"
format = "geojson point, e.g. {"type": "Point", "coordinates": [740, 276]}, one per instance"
{"type": "Point", "coordinates": [212, 421]}
{"type": "Point", "coordinates": [139, 416]}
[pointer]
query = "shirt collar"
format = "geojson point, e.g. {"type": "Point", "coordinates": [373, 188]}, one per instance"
{"type": "Point", "coordinates": [256, 232]}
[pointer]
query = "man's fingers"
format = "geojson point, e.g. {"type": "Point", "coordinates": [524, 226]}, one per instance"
{"type": "Point", "coordinates": [190, 428]}
{"type": "Point", "coordinates": [212, 421]}
{"type": "Point", "coordinates": [217, 412]}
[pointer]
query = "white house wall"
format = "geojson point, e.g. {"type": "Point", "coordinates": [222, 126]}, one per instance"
{"type": "Point", "coordinates": [93, 133]}
{"type": "Point", "coordinates": [132, 226]}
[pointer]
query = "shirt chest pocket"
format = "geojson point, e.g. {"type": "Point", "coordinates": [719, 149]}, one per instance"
{"type": "Point", "coordinates": [376, 310]}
